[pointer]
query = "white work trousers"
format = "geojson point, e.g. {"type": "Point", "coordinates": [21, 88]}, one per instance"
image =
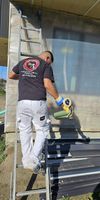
{"type": "Point", "coordinates": [32, 113]}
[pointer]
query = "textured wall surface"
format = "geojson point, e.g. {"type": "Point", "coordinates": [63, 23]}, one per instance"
{"type": "Point", "coordinates": [4, 21]}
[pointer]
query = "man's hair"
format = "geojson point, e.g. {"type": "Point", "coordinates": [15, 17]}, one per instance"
{"type": "Point", "coordinates": [52, 57]}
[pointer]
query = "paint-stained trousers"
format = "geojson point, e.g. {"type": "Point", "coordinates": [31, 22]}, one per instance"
{"type": "Point", "coordinates": [31, 113]}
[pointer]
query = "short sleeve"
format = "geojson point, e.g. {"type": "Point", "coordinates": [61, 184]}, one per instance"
{"type": "Point", "coordinates": [16, 68]}
{"type": "Point", "coordinates": [48, 73]}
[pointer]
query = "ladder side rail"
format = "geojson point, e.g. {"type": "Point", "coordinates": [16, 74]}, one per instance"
{"type": "Point", "coordinates": [30, 41]}
{"type": "Point", "coordinates": [14, 168]}
{"type": "Point", "coordinates": [19, 49]}
{"type": "Point", "coordinates": [47, 172]}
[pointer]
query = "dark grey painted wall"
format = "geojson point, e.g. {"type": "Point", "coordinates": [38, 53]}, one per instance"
{"type": "Point", "coordinates": [4, 17]}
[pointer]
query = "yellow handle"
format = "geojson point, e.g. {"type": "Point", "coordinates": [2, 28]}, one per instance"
{"type": "Point", "coordinates": [67, 102]}
{"type": "Point", "coordinates": [66, 108]}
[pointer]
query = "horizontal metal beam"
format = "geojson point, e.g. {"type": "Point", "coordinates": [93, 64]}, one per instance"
{"type": "Point", "coordinates": [91, 171]}
{"type": "Point", "coordinates": [67, 140]}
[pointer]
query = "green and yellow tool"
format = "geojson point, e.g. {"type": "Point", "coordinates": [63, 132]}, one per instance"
{"type": "Point", "coordinates": [67, 111]}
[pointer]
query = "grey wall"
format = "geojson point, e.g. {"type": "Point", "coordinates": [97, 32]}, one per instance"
{"type": "Point", "coordinates": [4, 17]}
{"type": "Point", "coordinates": [76, 66]}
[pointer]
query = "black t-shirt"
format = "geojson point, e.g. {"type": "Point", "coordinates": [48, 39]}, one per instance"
{"type": "Point", "coordinates": [31, 72]}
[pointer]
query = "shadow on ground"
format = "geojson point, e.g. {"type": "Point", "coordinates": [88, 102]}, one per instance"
{"type": "Point", "coordinates": [96, 193]}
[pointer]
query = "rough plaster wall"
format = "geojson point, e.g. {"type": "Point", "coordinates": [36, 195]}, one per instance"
{"type": "Point", "coordinates": [85, 117]}
{"type": "Point", "coordinates": [11, 96]}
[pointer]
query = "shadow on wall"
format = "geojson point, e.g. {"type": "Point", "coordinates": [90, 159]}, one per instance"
{"type": "Point", "coordinates": [71, 130]}
{"type": "Point", "coordinates": [96, 193]}
{"type": "Point", "coordinates": [66, 125]}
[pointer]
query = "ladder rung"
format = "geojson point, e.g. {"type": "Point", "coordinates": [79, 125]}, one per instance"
{"type": "Point", "coordinates": [35, 191]}
{"type": "Point", "coordinates": [30, 29]}
{"type": "Point", "coordinates": [26, 54]}
{"type": "Point", "coordinates": [31, 41]}
{"type": "Point", "coordinates": [24, 16]}
{"type": "Point", "coordinates": [19, 165]}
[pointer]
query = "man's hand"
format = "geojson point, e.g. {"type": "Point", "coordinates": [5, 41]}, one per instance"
{"type": "Point", "coordinates": [68, 107]}
{"type": "Point", "coordinates": [66, 104]}
{"type": "Point", "coordinates": [13, 75]}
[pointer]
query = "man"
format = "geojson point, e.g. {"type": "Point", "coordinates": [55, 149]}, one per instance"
{"type": "Point", "coordinates": [35, 79]}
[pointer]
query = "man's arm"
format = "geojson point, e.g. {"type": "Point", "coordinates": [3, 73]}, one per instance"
{"type": "Point", "coordinates": [50, 88]}
{"type": "Point", "coordinates": [66, 104]}
{"type": "Point", "coordinates": [13, 75]}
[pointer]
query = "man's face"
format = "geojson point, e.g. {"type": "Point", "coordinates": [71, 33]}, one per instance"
{"type": "Point", "coordinates": [48, 58]}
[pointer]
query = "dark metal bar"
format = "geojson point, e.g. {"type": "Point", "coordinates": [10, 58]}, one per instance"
{"type": "Point", "coordinates": [67, 141]}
